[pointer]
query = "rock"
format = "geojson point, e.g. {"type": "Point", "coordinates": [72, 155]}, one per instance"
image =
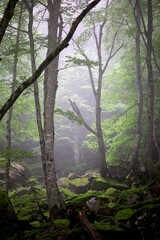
{"type": "Point", "coordinates": [62, 182]}
{"type": "Point", "coordinates": [135, 198]}
{"type": "Point", "coordinates": [90, 174]}
{"type": "Point", "coordinates": [73, 176]}
{"type": "Point", "coordinates": [15, 175]}
{"type": "Point", "coordinates": [79, 189]}
{"type": "Point", "coordinates": [146, 222]}
{"type": "Point", "coordinates": [118, 173]}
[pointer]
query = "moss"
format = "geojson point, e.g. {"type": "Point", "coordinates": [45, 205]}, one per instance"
{"type": "Point", "coordinates": [113, 205]}
{"type": "Point", "coordinates": [81, 199]}
{"type": "Point", "coordinates": [110, 183]}
{"type": "Point", "coordinates": [128, 193]}
{"type": "Point", "coordinates": [61, 222]}
{"type": "Point", "coordinates": [124, 214]}
{"type": "Point", "coordinates": [2, 162]}
{"type": "Point", "coordinates": [79, 182]}
{"type": "Point", "coordinates": [66, 193]}
{"type": "Point", "coordinates": [100, 226]}
{"type": "Point", "coordinates": [110, 191]}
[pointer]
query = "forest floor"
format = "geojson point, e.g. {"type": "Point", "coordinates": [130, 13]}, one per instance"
{"type": "Point", "coordinates": [96, 208]}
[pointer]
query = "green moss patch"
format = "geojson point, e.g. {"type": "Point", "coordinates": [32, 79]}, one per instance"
{"type": "Point", "coordinates": [61, 222]}
{"type": "Point", "coordinates": [124, 214]}
{"type": "Point", "coordinates": [79, 182]}
{"type": "Point", "coordinates": [100, 226]}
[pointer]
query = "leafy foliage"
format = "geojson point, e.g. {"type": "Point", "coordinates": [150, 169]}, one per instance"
{"type": "Point", "coordinates": [70, 115]}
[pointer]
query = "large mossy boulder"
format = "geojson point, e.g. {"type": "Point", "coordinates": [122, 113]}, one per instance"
{"type": "Point", "coordinates": [8, 219]}
{"type": "Point", "coordinates": [99, 184]}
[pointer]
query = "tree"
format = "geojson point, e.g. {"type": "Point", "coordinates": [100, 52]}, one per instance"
{"type": "Point", "coordinates": [138, 131]}
{"type": "Point", "coordinates": [150, 93]}
{"type": "Point", "coordinates": [54, 198]}
{"type": "Point", "coordinates": [9, 116]}
{"type": "Point", "coordinates": [148, 41]}
{"type": "Point", "coordinates": [29, 7]}
{"type": "Point", "coordinates": [96, 82]}
{"type": "Point", "coordinates": [7, 16]}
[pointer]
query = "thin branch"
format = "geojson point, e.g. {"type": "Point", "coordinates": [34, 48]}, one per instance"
{"type": "Point", "coordinates": [142, 18]}
{"type": "Point", "coordinates": [111, 53]}
{"type": "Point", "coordinates": [89, 67]}
{"type": "Point", "coordinates": [77, 111]}
{"type": "Point", "coordinates": [20, 30]}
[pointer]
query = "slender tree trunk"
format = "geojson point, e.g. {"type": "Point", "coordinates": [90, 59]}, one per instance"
{"type": "Point", "coordinates": [150, 96]}
{"type": "Point", "coordinates": [29, 6]}
{"type": "Point", "coordinates": [137, 141]}
{"type": "Point", "coordinates": [54, 198]}
{"type": "Point", "coordinates": [101, 146]}
{"type": "Point", "coordinates": [9, 116]}
{"type": "Point", "coordinates": [76, 150]}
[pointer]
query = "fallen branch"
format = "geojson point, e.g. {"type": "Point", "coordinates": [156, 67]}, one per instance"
{"type": "Point", "coordinates": [89, 229]}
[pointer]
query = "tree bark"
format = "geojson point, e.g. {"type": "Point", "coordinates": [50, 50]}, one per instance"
{"type": "Point", "coordinates": [47, 61]}
{"type": "Point", "coordinates": [138, 133]}
{"type": "Point", "coordinates": [29, 7]}
{"type": "Point", "coordinates": [54, 198]}
{"type": "Point", "coordinates": [150, 96]}
{"type": "Point", "coordinates": [7, 16]}
{"type": "Point", "coordinates": [10, 112]}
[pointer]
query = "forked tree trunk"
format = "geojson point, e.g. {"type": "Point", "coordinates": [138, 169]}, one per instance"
{"type": "Point", "coordinates": [54, 198]}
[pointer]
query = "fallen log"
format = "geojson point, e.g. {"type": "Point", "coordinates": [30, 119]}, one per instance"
{"type": "Point", "coordinates": [89, 229]}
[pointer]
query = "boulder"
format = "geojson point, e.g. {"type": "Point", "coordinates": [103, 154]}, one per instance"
{"type": "Point", "coordinates": [118, 173]}
{"type": "Point", "coordinates": [73, 176]}
{"type": "Point", "coordinates": [17, 171]}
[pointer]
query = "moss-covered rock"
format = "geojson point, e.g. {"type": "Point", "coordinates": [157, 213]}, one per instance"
{"type": "Point", "coordinates": [79, 185]}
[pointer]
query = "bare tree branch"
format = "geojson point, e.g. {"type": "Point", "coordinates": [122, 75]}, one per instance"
{"type": "Point", "coordinates": [47, 61]}
{"type": "Point", "coordinates": [111, 53]}
{"type": "Point", "coordinates": [7, 16]}
{"type": "Point", "coordinates": [77, 111]}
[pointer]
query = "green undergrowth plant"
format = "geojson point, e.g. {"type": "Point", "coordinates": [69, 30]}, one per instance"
{"type": "Point", "coordinates": [27, 200]}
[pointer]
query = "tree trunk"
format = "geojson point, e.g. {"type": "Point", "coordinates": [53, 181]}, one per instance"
{"type": "Point", "coordinates": [29, 7]}
{"type": "Point", "coordinates": [101, 146]}
{"type": "Point", "coordinates": [54, 198]}
{"type": "Point", "coordinates": [150, 96]}
{"type": "Point", "coordinates": [9, 116]}
{"type": "Point", "coordinates": [135, 162]}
